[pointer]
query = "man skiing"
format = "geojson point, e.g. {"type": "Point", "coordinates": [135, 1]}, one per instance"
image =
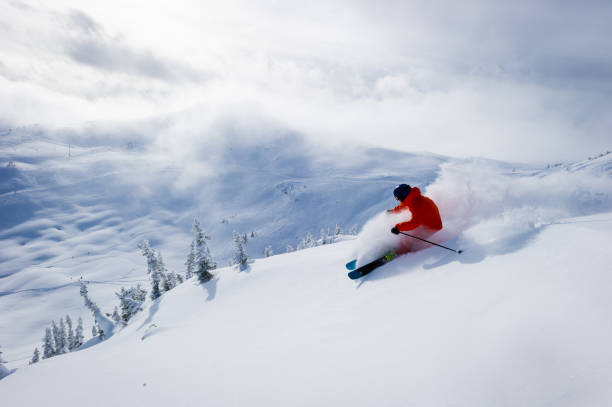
{"type": "Point", "coordinates": [425, 219]}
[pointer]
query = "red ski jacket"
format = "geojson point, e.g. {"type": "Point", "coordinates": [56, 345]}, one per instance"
{"type": "Point", "coordinates": [424, 212]}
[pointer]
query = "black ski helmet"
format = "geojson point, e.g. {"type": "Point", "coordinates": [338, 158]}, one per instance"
{"type": "Point", "coordinates": [401, 192]}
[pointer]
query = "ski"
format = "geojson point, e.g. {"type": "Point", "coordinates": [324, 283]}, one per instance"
{"type": "Point", "coordinates": [351, 265]}
{"type": "Point", "coordinates": [368, 268]}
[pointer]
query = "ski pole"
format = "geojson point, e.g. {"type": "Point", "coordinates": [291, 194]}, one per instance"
{"type": "Point", "coordinates": [439, 245]}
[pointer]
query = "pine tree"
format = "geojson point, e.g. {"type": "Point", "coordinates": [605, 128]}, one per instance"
{"type": "Point", "coordinates": [203, 259]}
{"type": "Point", "coordinates": [79, 339]}
{"type": "Point", "coordinates": [56, 338]}
{"type": "Point", "coordinates": [191, 261]}
{"type": "Point", "coordinates": [323, 236]}
{"type": "Point", "coordinates": [60, 340]}
{"type": "Point", "coordinates": [48, 347]}
{"type": "Point", "coordinates": [289, 248]}
{"type": "Point", "coordinates": [104, 324]}
{"type": "Point", "coordinates": [268, 251]}
{"type": "Point", "coordinates": [101, 333]}
{"type": "Point", "coordinates": [240, 255]}
{"type": "Point", "coordinates": [94, 331]}
{"type": "Point", "coordinates": [3, 369]}
{"type": "Point", "coordinates": [353, 230]}
{"type": "Point", "coordinates": [70, 337]}
{"type": "Point", "coordinates": [116, 316]}
{"type": "Point", "coordinates": [152, 268]}
{"type": "Point", "coordinates": [337, 230]}
{"type": "Point", "coordinates": [167, 282]}
{"type": "Point", "coordinates": [130, 301]}
{"type": "Point", "coordinates": [35, 357]}
{"type": "Point", "coordinates": [307, 242]}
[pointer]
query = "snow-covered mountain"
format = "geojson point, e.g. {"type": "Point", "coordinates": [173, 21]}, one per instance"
{"type": "Point", "coordinates": [507, 320]}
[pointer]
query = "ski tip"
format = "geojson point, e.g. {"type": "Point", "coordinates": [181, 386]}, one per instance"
{"type": "Point", "coordinates": [459, 251]}
{"type": "Point", "coordinates": [354, 275]}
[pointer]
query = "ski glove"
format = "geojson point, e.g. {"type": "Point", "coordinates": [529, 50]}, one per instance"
{"type": "Point", "coordinates": [395, 230]}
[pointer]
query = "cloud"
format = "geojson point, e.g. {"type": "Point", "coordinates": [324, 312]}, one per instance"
{"type": "Point", "coordinates": [475, 79]}
{"type": "Point", "coordinates": [95, 48]}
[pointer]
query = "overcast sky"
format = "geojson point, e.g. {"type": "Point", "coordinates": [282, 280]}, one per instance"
{"type": "Point", "coordinates": [520, 80]}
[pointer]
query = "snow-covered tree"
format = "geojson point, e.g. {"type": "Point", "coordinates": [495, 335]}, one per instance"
{"type": "Point", "coordinates": [168, 282]}
{"type": "Point", "coordinates": [130, 301]}
{"type": "Point", "coordinates": [353, 230]}
{"type": "Point", "coordinates": [3, 369]}
{"type": "Point", "coordinates": [191, 261]}
{"type": "Point", "coordinates": [105, 325]}
{"type": "Point", "coordinates": [203, 259]}
{"type": "Point", "coordinates": [307, 242]}
{"type": "Point", "coordinates": [241, 258]}
{"type": "Point", "coordinates": [153, 268]}
{"type": "Point", "coordinates": [94, 331]}
{"type": "Point", "coordinates": [101, 333]}
{"type": "Point", "coordinates": [289, 248]}
{"type": "Point", "coordinates": [48, 345]}
{"type": "Point", "coordinates": [324, 239]}
{"type": "Point", "coordinates": [60, 339]}
{"type": "Point", "coordinates": [1, 358]}
{"type": "Point", "coordinates": [268, 251]}
{"type": "Point", "coordinates": [70, 333]}
{"type": "Point", "coordinates": [116, 316]}
{"type": "Point", "coordinates": [337, 230]}
{"type": "Point", "coordinates": [79, 339]}
{"type": "Point", "coordinates": [35, 356]}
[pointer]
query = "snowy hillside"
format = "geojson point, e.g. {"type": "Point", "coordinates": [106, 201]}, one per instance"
{"type": "Point", "coordinates": [529, 326]}
{"type": "Point", "coordinates": [72, 211]}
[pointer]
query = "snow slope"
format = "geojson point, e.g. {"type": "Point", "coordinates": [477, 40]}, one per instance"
{"type": "Point", "coordinates": [506, 322]}
{"type": "Point", "coordinates": [65, 217]}
{"type": "Point", "coordinates": [525, 327]}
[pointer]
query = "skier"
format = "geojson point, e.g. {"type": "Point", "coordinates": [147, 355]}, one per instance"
{"type": "Point", "coordinates": [425, 219]}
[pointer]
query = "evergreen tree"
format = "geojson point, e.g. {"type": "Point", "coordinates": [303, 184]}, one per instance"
{"type": "Point", "coordinates": [268, 251]}
{"type": "Point", "coordinates": [48, 346]}
{"type": "Point", "coordinates": [289, 248]}
{"type": "Point", "coordinates": [60, 340]}
{"type": "Point", "coordinates": [323, 236]}
{"type": "Point", "coordinates": [307, 242]}
{"type": "Point", "coordinates": [130, 301]}
{"type": "Point", "coordinates": [153, 268]}
{"type": "Point", "coordinates": [94, 331]}
{"type": "Point", "coordinates": [79, 339]}
{"type": "Point", "coordinates": [56, 338]}
{"type": "Point", "coordinates": [116, 316]}
{"type": "Point", "coordinates": [35, 357]}
{"type": "Point", "coordinates": [191, 261]}
{"type": "Point", "coordinates": [3, 369]}
{"type": "Point", "coordinates": [353, 230]}
{"type": "Point", "coordinates": [337, 230]}
{"type": "Point", "coordinates": [167, 282]}
{"type": "Point", "coordinates": [203, 259]}
{"type": "Point", "coordinates": [104, 324]}
{"type": "Point", "coordinates": [240, 255]}
{"type": "Point", "coordinates": [70, 337]}
{"type": "Point", "coordinates": [101, 333]}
